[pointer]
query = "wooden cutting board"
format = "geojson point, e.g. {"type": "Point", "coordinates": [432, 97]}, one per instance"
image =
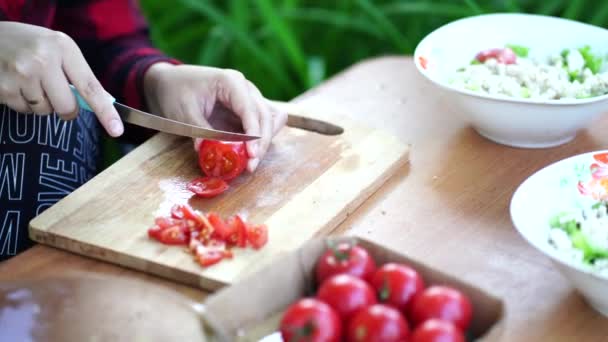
{"type": "Point", "coordinates": [306, 185]}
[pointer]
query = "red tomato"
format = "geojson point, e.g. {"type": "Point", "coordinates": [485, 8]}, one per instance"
{"type": "Point", "coordinates": [166, 222]}
{"type": "Point", "coordinates": [208, 256]}
{"type": "Point", "coordinates": [378, 323]}
{"type": "Point", "coordinates": [222, 159]}
{"type": "Point", "coordinates": [396, 285]}
{"type": "Point", "coordinates": [601, 157]}
{"type": "Point", "coordinates": [346, 294]}
{"type": "Point", "coordinates": [310, 320]}
{"type": "Point", "coordinates": [442, 302]}
{"type": "Point", "coordinates": [154, 231]}
{"type": "Point", "coordinates": [237, 232]}
{"type": "Point", "coordinates": [505, 56]}
{"type": "Point", "coordinates": [207, 186]}
{"type": "Point", "coordinates": [220, 227]}
{"type": "Point", "coordinates": [175, 235]}
{"type": "Point", "coordinates": [345, 258]}
{"type": "Point", "coordinates": [436, 330]}
{"type": "Point", "coordinates": [177, 211]}
{"type": "Point", "coordinates": [257, 235]}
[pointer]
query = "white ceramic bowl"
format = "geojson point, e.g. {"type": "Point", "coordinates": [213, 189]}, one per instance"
{"type": "Point", "coordinates": [547, 192]}
{"type": "Point", "coordinates": [527, 123]}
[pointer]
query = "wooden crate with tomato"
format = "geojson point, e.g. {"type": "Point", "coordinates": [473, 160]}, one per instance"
{"type": "Point", "coordinates": [351, 289]}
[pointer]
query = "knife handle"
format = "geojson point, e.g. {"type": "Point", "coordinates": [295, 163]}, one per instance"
{"type": "Point", "coordinates": [82, 103]}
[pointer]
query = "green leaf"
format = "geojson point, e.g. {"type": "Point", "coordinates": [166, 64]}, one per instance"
{"type": "Point", "coordinates": [474, 6]}
{"type": "Point", "coordinates": [242, 38]}
{"type": "Point", "coordinates": [519, 50]}
{"type": "Point", "coordinates": [385, 25]}
{"type": "Point", "coordinates": [426, 8]}
{"type": "Point", "coordinates": [594, 63]}
{"type": "Point", "coordinates": [285, 37]}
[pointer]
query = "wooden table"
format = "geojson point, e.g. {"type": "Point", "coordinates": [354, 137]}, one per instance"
{"type": "Point", "coordinates": [449, 208]}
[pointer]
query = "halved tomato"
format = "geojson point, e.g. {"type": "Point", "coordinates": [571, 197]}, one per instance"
{"type": "Point", "coordinates": [176, 235]}
{"type": "Point", "coordinates": [207, 186]}
{"type": "Point", "coordinates": [237, 232]}
{"type": "Point", "coordinates": [222, 159]}
{"type": "Point", "coordinates": [257, 235]}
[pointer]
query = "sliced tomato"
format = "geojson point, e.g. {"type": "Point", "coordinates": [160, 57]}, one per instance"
{"type": "Point", "coordinates": [207, 186]}
{"type": "Point", "coordinates": [176, 235]}
{"type": "Point", "coordinates": [154, 231]}
{"type": "Point", "coordinates": [601, 157]}
{"type": "Point", "coordinates": [177, 211]}
{"type": "Point", "coordinates": [193, 217]}
{"type": "Point", "coordinates": [221, 229]}
{"type": "Point", "coordinates": [166, 222]}
{"type": "Point", "coordinates": [222, 159]}
{"type": "Point", "coordinates": [504, 56]}
{"type": "Point", "coordinates": [207, 257]}
{"type": "Point", "coordinates": [257, 235]}
{"type": "Point", "coordinates": [237, 235]}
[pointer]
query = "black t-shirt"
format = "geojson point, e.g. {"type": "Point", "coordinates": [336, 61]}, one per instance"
{"type": "Point", "coordinates": [42, 160]}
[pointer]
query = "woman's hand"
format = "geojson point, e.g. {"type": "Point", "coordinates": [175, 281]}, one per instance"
{"type": "Point", "coordinates": [36, 65]}
{"type": "Point", "coordinates": [190, 94]}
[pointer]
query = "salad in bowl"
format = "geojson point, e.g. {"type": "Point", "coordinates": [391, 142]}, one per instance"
{"type": "Point", "coordinates": [562, 210]}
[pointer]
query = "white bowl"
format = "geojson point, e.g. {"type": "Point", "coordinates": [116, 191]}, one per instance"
{"type": "Point", "coordinates": [528, 123]}
{"type": "Point", "coordinates": [547, 192]}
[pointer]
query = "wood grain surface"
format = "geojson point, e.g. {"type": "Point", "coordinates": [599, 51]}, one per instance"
{"type": "Point", "coordinates": [307, 184]}
{"type": "Point", "coordinates": [449, 208]}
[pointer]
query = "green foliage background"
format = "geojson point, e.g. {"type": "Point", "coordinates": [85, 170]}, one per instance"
{"type": "Point", "coordinates": [288, 46]}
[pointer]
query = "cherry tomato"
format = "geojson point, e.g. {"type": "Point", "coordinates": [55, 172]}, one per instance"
{"type": "Point", "coordinates": [207, 187]}
{"type": "Point", "coordinates": [177, 211]}
{"type": "Point", "coordinates": [378, 323]}
{"type": "Point", "coordinates": [257, 235]}
{"type": "Point", "coordinates": [601, 157]}
{"type": "Point", "coordinates": [222, 159]}
{"type": "Point", "coordinates": [175, 235]}
{"type": "Point", "coordinates": [154, 231]}
{"type": "Point", "coordinates": [309, 320]}
{"type": "Point", "coordinates": [346, 294]}
{"type": "Point", "coordinates": [208, 256]}
{"type": "Point", "coordinates": [436, 330]}
{"type": "Point", "coordinates": [444, 303]}
{"type": "Point", "coordinates": [396, 285]}
{"type": "Point", "coordinates": [237, 232]}
{"type": "Point", "coordinates": [345, 258]}
{"type": "Point", "coordinates": [220, 227]}
{"type": "Point", "coordinates": [505, 56]}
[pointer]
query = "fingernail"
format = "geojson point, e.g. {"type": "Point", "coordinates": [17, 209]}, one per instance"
{"type": "Point", "coordinates": [253, 164]}
{"type": "Point", "coordinates": [116, 128]}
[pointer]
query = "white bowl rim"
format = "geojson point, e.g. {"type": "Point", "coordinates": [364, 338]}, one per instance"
{"type": "Point", "coordinates": [559, 102]}
{"type": "Point", "coordinates": [552, 252]}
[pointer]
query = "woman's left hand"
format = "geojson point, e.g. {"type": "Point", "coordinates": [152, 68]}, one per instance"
{"type": "Point", "coordinates": [191, 94]}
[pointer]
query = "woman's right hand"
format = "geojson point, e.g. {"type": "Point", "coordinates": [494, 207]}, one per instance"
{"type": "Point", "coordinates": [36, 67]}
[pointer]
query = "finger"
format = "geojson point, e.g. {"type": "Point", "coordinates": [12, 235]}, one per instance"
{"type": "Point", "coordinates": [197, 143]}
{"type": "Point", "coordinates": [279, 120]}
{"type": "Point", "coordinates": [56, 87]}
{"type": "Point", "coordinates": [190, 111]}
{"type": "Point", "coordinates": [234, 94]}
{"type": "Point", "coordinates": [80, 74]}
{"type": "Point", "coordinates": [18, 103]}
{"type": "Point", "coordinates": [265, 117]}
{"type": "Point", "coordinates": [36, 98]}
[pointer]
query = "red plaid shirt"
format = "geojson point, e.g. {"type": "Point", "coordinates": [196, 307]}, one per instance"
{"type": "Point", "coordinates": [112, 35]}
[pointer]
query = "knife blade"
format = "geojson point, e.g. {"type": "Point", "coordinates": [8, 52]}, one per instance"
{"type": "Point", "coordinates": [313, 125]}
{"type": "Point", "coordinates": [159, 123]}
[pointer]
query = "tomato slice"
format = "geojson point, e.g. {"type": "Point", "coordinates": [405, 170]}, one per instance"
{"type": "Point", "coordinates": [257, 235]}
{"type": "Point", "coordinates": [221, 229]}
{"type": "Point", "coordinates": [505, 56]}
{"type": "Point", "coordinates": [222, 159]}
{"type": "Point", "coordinates": [154, 231]}
{"type": "Point", "coordinates": [237, 235]}
{"type": "Point", "coordinates": [207, 257]}
{"type": "Point", "coordinates": [166, 222]}
{"type": "Point", "coordinates": [176, 235]}
{"type": "Point", "coordinates": [601, 157]}
{"type": "Point", "coordinates": [177, 211]}
{"type": "Point", "coordinates": [207, 186]}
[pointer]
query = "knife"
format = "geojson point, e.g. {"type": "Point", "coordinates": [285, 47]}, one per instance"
{"type": "Point", "coordinates": [159, 123]}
